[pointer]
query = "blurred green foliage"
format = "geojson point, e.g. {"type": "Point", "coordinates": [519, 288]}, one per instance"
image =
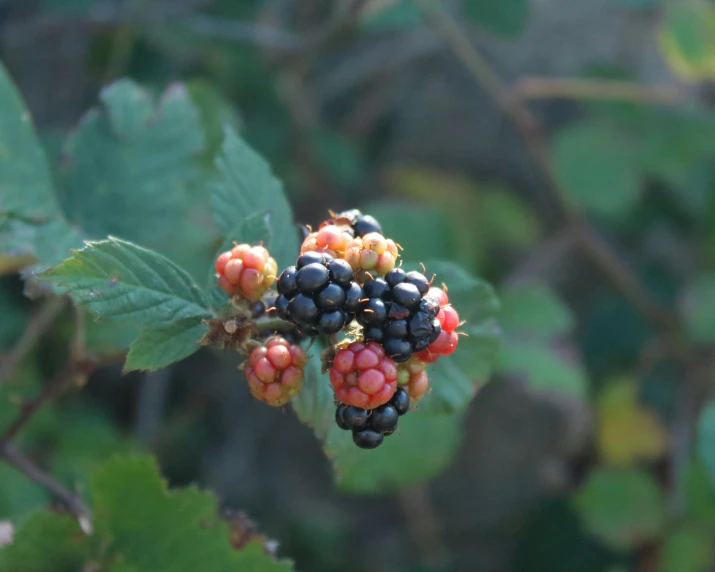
{"type": "Point", "coordinates": [166, 160]}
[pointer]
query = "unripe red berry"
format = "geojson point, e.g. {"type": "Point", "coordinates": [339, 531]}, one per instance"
{"type": "Point", "coordinates": [275, 371]}
{"type": "Point", "coordinates": [246, 271]}
{"type": "Point", "coordinates": [363, 376]}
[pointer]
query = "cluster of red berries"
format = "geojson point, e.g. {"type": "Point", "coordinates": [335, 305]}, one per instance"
{"type": "Point", "coordinates": [346, 279]}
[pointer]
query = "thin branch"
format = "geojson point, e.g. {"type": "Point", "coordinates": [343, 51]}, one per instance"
{"type": "Point", "coordinates": [528, 127]}
{"type": "Point", "coordinates": [550, 88]}
{"type": "Point", "coordinates": [38, 325]}
{"type": "Point", "coordinates": [24, 464]}
{"type": "Point", "coordinates": [51, 390]}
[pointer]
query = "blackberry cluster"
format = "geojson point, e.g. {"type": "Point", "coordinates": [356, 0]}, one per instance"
{"type": "Point", "coordinates": [318, 294]}
{"type": "Point", "coordinates": [370, 427]}
{"type": "Point", "coordinates": [396, 313]}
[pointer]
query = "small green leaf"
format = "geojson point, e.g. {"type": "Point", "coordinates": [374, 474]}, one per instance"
{"type": "Point", "coordinates": [698, 308]}
{"type": "Point", "coordinates": [687, 38]}
{"type": "Point", "coordinates": [315, 405]}
{"type": "Point", "coordinates": [597, 169]}
{"type": "Point", "coordinates": [402, 458]}
{"type": "Point", "coordinates": [534, 310]}
{"type": "Point", "coordinates": [121, 281]}
{"type": "Point", "coordinates": [46, 541]}
{"type": "Point", "coordinates": [248, 188]}
{"type": "Point", "coordinates": [706, 438]}
{"type": "Point", "coordinates": [623, 508]}
{"type": "Point", "coordinates": [146, 527]}
{"type": "Point", "coordinates": [158, 347]}
{"type": "Point", "coordinates": [507, 17]}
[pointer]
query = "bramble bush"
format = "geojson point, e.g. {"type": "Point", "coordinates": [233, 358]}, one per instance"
{"type": "Point", "coordinates": [154, 230]}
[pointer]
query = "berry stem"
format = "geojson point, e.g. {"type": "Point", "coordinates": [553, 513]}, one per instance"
{"type": "Point", "coordinates": [270, 325]}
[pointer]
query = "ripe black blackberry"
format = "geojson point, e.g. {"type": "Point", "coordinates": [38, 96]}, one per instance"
{"type": "Point", "coordinates": [369, 428]}
{"type": "Point", "coordinates": [318, 294]}
{"type": "Point", "coordinates": [396, 313]}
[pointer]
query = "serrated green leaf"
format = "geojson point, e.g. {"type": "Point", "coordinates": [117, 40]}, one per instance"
{"type": "Point", "coordinates": [25, 181]}
{"type": "Point", "coordinates": [623, 508]}
{"type": "Point", "coordinates": [687, 549]}
{"type": "Point", "coordinates": [534, 310]}
{"type": "Point", "coordinates": [158, 347]}
{"type": "Point", "coordinates": [687, 38]}
{"type": "Point", "coordinates": [121, 281]}
{"type": "Point", "coordinates": [706, 438]}
{"type": "Point", "coordinates": [597, 169]}
{"type": "Point", "coordinates": [314, 405]}
{"type": "Point", "coordinates": [455, 379]}
{"type": "Point", "coordinates": [147, 527]}
{"type": "Point", "coordinates": [421, 448]}
{"type": "Point", "coordinates": [46, 541]}
{"type": "Point", "coordinates": [698, 308]}
{"type": "Point", "coordinates": [32, 226]}
{"type": "Point", "coordinates": [248, 188]}
{"type": "Point", "coordinates": [128, 168]}
{"type": "Point", "coordinates": [507, 17]}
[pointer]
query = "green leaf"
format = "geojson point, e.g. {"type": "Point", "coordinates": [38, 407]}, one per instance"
{"type": "Point", "coordinates": [146, 527]}
{"type": "Point", "coordinates": [121, 281]}
{"type": "Point", "coordinates": [534, 310]}
{"type": "Point", "coordinates": [623, 508]}
{"type": "Point", "coordinates": [46, 541]}
{"type": "Point", "coordinates": [215, 113]}
{"type": "Point", "coordinates": [597, 169]}
{"type": "Point", "coordinates": [687, 38]}
{"type": "Point", "coordinates": [507, 17]}
{"type": "Point", "coordinates": [158, 347]}
{"type": "Point", "coordinates": [25, 181]}
{"type": "Point", "coordinates": [543, 369]}
{"type": "Point", "coordinates": [533, 317]}
{"type": "Point", "coordinates": [248, 188]}
{"type": "Point", "coordinates": [706, 438]}
{"type": "Point", "coordinates": [421, 448]}
{"type": "Point", "coordinates": [455, 379]}
{"type": "Point", "coordinates": [698, 308]}
{"type": "Point", "coordinates": [31, 224]}
{"type": "Point", "coordinates": [687, 549]}
{"type": "Point", "coordinates": [315, 404]}
{"type": "Point", "coordinates": [129, 166]}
